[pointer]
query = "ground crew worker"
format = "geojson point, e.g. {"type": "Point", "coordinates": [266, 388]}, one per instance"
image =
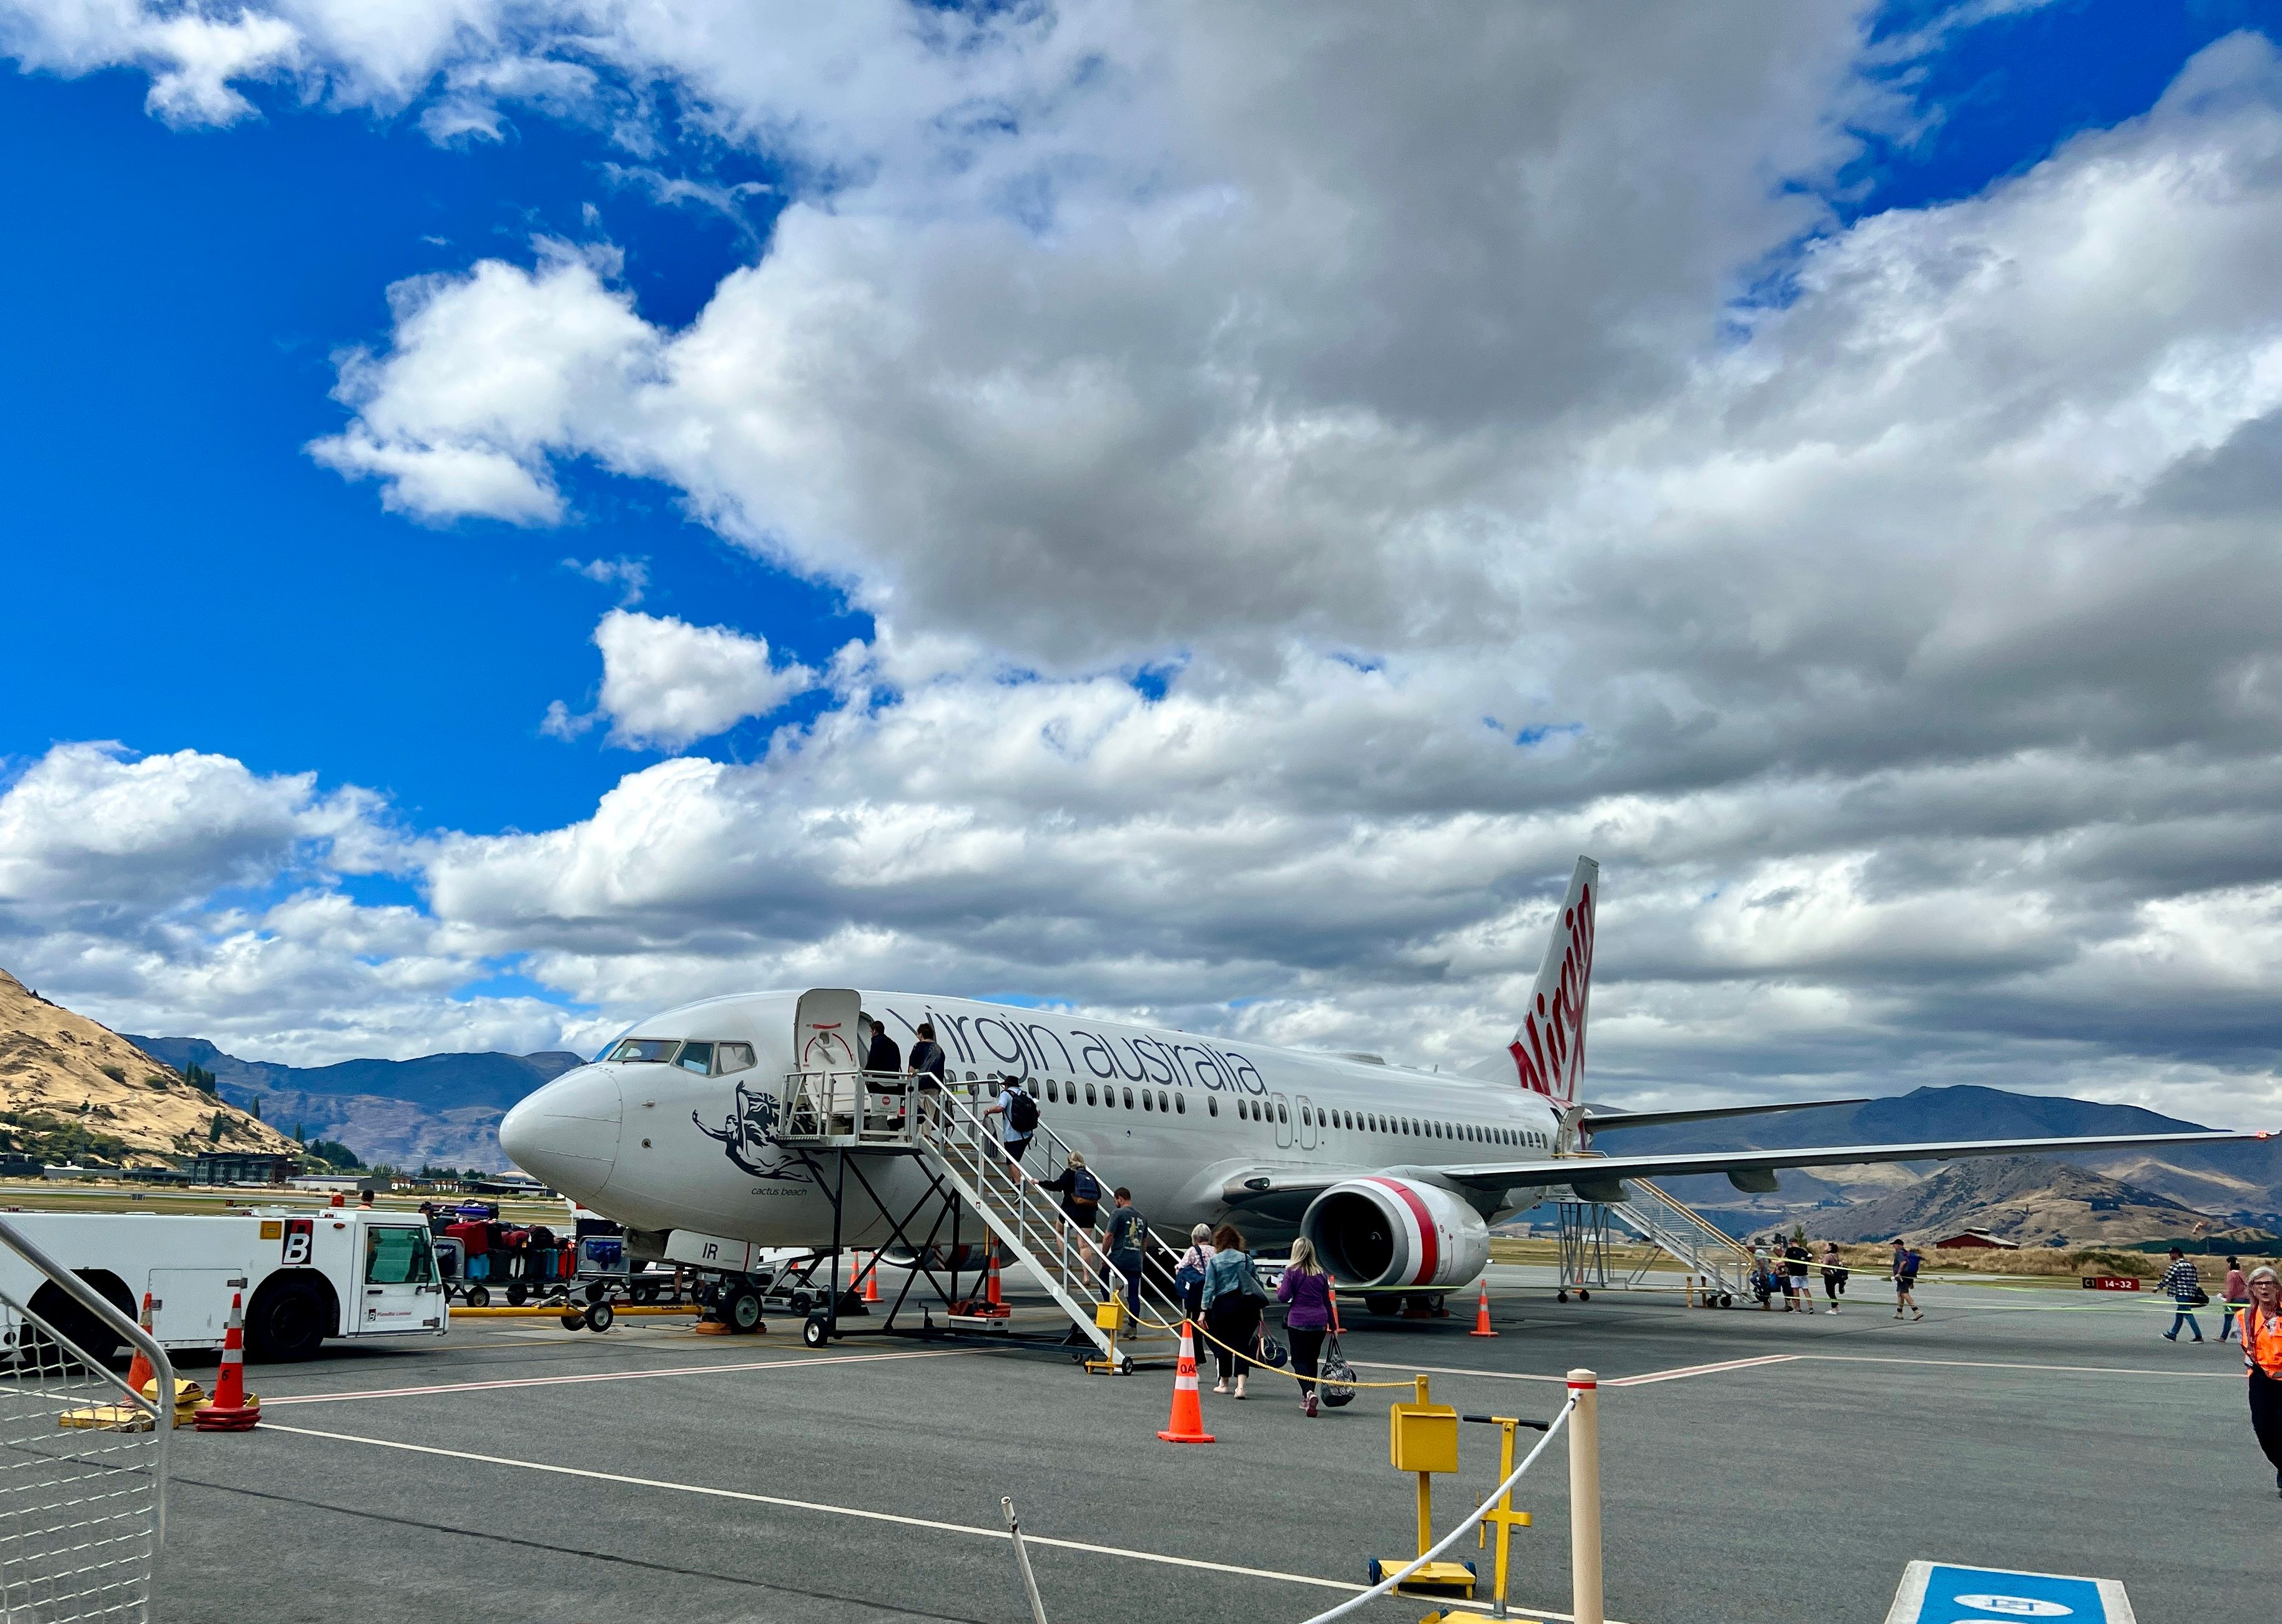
{"type": "Point", "coordinates": [2262, 1359]}
{"type": "Point", "coordinates": [2185, 1287]}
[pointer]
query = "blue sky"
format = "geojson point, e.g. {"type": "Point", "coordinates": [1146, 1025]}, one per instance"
{"type": "Point", "coordinates": [1102, 502]}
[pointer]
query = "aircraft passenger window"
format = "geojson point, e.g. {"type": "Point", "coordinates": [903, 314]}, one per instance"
{"type": "Point", "coordinates": [730, 1057]}
{"type": "Point", "coordinates": [1089, 1093]}
{"type": "Point", "coordinates": [1305, 1120]}
{"type": "Point", "coordinates": [697, 1057]}
{"type": "Point", "coordinates": [1282, 1115]}
{"type": "Point", "coordinates": [1181, 1104]}
{"type": "Point", "coordinates": [1164, 1100]}
{"type": "Point", "coordinates": [1147, 1104]}
{"type": "Point", "coordinates": [1213, 1105]}
{"type": "Point", "coordinates": [1053, 1091]}
{"type": "Point", "coordinates": [1129, 1099]}
{"type": "Point", "coordinates": [657, 1049]}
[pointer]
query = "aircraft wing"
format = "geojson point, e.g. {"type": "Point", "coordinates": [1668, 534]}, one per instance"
{"type": "Point", "coordinates": [1265, 1187]}
{"type": "Point", "coordinates": [1597, 1121]}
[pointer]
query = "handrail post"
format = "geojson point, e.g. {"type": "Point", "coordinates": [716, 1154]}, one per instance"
{"type": "Point", "coordinates": [1585, 1498]}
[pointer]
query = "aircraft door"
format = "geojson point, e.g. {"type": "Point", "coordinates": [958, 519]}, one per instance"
{"type": "Point", "coordinates": [1281, 1108]}
{"type": "Point", "coordinates": [1306, 1122]}
{"type": "Point", "coordinates": [824, 1040]}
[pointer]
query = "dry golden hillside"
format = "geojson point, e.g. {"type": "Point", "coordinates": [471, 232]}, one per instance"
{"type": "Point", "coordinates": [68, 1087]}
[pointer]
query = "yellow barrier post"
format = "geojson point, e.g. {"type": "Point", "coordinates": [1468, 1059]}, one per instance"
{"type": "Point", "coordinates": [1422, 1438]}
{"type": "Point", "coordinates": [1109, 1316]}
{"type": "Point", "coordinates": [1585, 1497]}
{"type": "Point", "coordinates": [1506, 1518]}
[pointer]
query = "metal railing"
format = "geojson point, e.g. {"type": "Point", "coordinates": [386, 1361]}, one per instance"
{"type": "Point", "coordinates": [1674, 1227]}
{"type": "Point", "coordinates": [82, 1456]}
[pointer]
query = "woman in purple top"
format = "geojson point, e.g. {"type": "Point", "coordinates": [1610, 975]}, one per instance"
{"type": "Point", "coordinates": [1307, 1290]}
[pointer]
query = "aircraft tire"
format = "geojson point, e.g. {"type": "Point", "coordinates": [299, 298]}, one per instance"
{"type": "Point", "coordinates": [740, 1310]}
{"type": "Point", "coordinates": [1381, 1303]}
{"type": "Point", "coordinates": [815, 1331]}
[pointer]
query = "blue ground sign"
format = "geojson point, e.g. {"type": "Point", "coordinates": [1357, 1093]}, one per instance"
{"type": "Point", "coordinates": [1938, 1593]}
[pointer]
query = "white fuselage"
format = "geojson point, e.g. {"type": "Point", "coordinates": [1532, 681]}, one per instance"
{"type": "Point", "coordinates": [1171, 1115]}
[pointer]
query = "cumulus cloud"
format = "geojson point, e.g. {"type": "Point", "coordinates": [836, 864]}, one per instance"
{"type": "Point", "coordinates": [1492, 449]}
{"type": "Point", "coordinates": [667, 684]}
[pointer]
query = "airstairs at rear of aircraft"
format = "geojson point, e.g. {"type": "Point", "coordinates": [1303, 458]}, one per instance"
{"type": "Point", "coordinates": [1667, 1224]}
{"type": "Point", "coordinates": [958, 1147]}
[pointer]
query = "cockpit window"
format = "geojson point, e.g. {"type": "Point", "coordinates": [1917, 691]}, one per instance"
{"type": "Point", "coordinates": [697, 1057]}
{"type": "Point", "coordinates": [728, 1057]}
{"type": "Point", "coordinates": [658, 1050]}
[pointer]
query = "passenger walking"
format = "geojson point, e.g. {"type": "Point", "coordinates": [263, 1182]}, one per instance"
{"type": "Point", "coordinates": [1906, 1281]}
{"type": "Point", "coordinates": [1232, 1296]}
{"type": "Point", "coordinates": [2185, 1287]}
{"type": "Point", "coordinates": [1189, 1273]}
{"type": "Point", "coordinates": [1080, 1192]}
{"type": "Point", "coordinates": [925, 1066]}
{"type": "Point", "coordinates": [1797, 1292]}
{"type": "Point", "coordinates": [1763, 1279]}
{"type": "Point", "coordinates": [880, 1054]}
{"type": "Point", "coordinates": [1833, 1274]}
{"type": "Point", "coordinates": [1307, 1290]}
{"type": "Point", "coordinates": [1017, 1111]}
{"type": "Point", "coordinates": [2234, 1296]}
{"type": "Point", "coordinates": [2262, 1358]}
{"type": "Point", "coordinates": [1128, 1244]}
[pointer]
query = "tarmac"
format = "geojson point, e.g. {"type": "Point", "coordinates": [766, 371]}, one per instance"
{"type": "Point", "coordinates": [1758, 1467]}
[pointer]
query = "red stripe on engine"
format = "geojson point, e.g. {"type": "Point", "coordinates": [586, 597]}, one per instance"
{"type": "Point", "coordinates": [1430, 1252]}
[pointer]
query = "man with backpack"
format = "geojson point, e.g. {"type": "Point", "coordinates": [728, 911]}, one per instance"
{"type": "Point", "coordinates": [2185, 1287]}
{"type": "Point", "coordinates": [1905, 1279]}
{"type": "Point", "coordinates": [1017, 1112]}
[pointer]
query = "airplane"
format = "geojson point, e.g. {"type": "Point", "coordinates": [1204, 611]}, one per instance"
{"type": "Point", "coordinates": [1396, 1174]}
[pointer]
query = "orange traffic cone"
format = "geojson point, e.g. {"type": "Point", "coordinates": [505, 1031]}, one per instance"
{"type": "Point", "coordinates": [872, 1280]}
{"type": "Point", "coordinates": [1482, 1312]}
{"type": "Point", "coordinates": [139, 1373]}
{"type": "Point", "coordinates": [1187, 1423]}
{"type": "Point", "coordinates": [233, 1409]}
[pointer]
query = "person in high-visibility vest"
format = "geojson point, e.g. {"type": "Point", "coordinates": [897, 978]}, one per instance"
{"type": "Point", "coordinates": [2262, 1358]}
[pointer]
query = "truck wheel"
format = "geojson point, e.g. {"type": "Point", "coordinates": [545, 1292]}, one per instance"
{"type": "Point", "coordinates": [74, 1324]}
{"type": "Point", "coordinates": [740, 1310]}
{"type": "Point", "coordinates": [815, 1332]}
{"type": "Point", "coordinates": [478, 1297]}
{"type": "Point", "coordinates": [647, 1291]}
{"type": "Point", "coordinates": [288, 1322]}
{"type": "Point", "coordinates": [800, 1302]}
{"type": "Point", "coordinates": [517, 1294]}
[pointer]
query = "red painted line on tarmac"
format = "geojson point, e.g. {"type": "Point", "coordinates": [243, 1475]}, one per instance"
{"type": "Point", "coordinates": [793, 1362]}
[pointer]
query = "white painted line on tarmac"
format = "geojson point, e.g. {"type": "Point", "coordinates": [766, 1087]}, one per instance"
{"type": "Point", "coordinates": [1685, 1371]}
{"type": "Point", "coordinates": [2005, 1364]}
{"type": "Point", "coordinates": [1453, 1369]}
{"type": "Point", "coordinates": [790, 1361]}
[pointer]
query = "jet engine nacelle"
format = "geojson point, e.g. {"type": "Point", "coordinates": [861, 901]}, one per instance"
{"type": "Point", "coordinates": [1395, 1234]}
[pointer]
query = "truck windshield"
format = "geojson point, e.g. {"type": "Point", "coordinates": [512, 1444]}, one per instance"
{"type": "Point", "coordinates": [398, 1255]}
{"type": "Point", "coordinates": [656, 1049]}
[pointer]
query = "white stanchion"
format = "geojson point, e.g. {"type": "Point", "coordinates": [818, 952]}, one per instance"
{"type": "Point", "coordinates": [1585, 1497]}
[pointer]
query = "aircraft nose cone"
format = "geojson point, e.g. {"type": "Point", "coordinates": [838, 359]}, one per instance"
{"type": "Point", "coordinates": [566, 1135]}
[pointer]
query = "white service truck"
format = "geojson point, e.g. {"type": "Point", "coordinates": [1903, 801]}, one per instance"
{"type": "Point", "coordinates": [306, 1275]}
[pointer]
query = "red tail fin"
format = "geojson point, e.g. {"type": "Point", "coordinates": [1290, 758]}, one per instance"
{"type": "Point", "coordinates": [1548, 1050]}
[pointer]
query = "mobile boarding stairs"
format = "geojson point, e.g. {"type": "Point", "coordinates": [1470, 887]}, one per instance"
{"type": "Point", "coordinates": [1590, 1236]}
{"type": "Point", "coordinates": [830, 1115]}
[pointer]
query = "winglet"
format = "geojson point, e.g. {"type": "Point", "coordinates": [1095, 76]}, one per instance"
{"type": "Point", "coordinates": [1548, 1048]}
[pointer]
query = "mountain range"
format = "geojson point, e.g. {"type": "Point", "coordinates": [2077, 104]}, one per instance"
{"type": "Point", "coordinates": [440, 1110]}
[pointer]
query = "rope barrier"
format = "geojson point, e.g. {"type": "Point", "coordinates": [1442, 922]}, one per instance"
{"type": "Point", "coordinates": [1389, 1584]}
{"type": "Point", "coordinates": [1254, 1360]}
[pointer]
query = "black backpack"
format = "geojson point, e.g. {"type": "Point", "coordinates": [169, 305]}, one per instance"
{"type": "Point", "coordinates": [1023, 1112]}
{"type": "Point", "coordinates": [1085, 1192]}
